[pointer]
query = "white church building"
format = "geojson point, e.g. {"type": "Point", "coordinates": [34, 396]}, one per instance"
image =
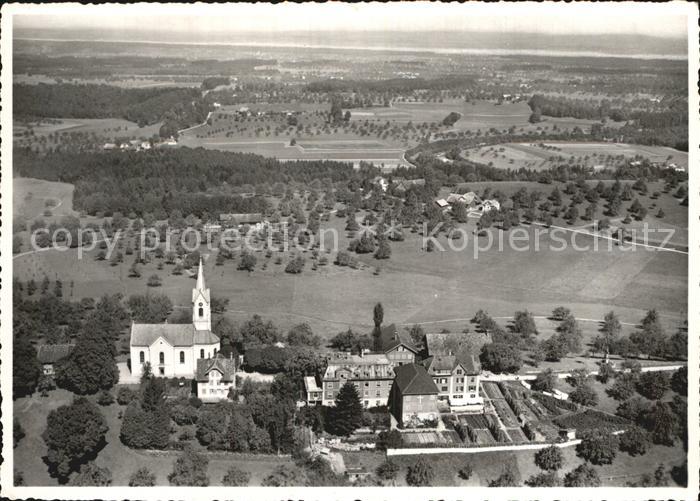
{"type": "Point", "coordinates": [173, 350]}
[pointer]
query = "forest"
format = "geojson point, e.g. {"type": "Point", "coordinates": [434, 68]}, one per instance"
{"type": "Point", "coordinates": [143, 106]}
{"type": "Point", "coordinates": [191, 180]}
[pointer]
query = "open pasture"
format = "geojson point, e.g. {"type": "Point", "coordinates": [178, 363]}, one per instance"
{"type": "Point", "coordinates": [541, 156]}
{"type": "Point", "coordinates": [103, 128]}
{"type": "Point", "coordinates": [31, 196]}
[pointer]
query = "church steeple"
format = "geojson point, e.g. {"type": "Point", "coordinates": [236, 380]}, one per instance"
{"type": "Point", "coordinates": [201, 309]}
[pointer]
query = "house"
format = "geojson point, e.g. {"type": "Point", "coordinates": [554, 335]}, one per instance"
{"type": "Point", "coordinates": [231, 220]}
{"type": "Point", "coordinates": [397, 345]}
{"type": "Point", "coordinates": [403, 185]}
{"type": "Point", "coordinates": [215, 377]}
{"type": "Point", "coordinates": [488, 206]}
{"type": "Point", "coordinates": [174, 349]}
{"type": "Point", "coordinates": [372, 375]}
{"type": "Point", "coordinates": [442, 203]}
{"type": "Point", "coordinates": [413, 395]}
{"type": "Point", "coordinates": [211, 228]}
{"type": "Point", "coordinates": [453, 364]}
{"type": "Point", "coordinates": [49, 354]}
{"type": "Point", "coordinates": [314, 394]}
{"type": "Point", "coordinates": [145, 145]}
{"type": "Point", "coordinates": [381, 181]}
{"type": "Point", "coordinates": [457, 380]}
{"type": "Point", "coordinates": [467, 199]}
{"type": "Point", "coordinates": [109, 146]}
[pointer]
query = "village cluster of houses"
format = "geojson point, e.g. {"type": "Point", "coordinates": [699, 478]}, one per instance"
{"type": "Point", "coordinates": [416, 384]}
{"type": "Point", "coordinates": [139, 145]}
{"type": "Point", "coordinates": [255, 221]}
{"type": "Point", "coordinates": [474, 204]}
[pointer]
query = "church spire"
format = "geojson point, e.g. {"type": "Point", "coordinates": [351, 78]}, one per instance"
{"type": "Point", "coordinates": [201, 309]}
{"type": "Point", "coordinates": [200, 277]}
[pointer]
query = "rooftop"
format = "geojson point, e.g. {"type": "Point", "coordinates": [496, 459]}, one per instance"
{"type": "Point", "coordinates": [413, 379]}
{"type": "Point", "coordinates": [226, 366]}
{"type": "Point", "coordinates": [391, 337]}
{"type": "Point", "coordinates": [173, 334]}
{"type": "Point", "coordinates": [52, 353]}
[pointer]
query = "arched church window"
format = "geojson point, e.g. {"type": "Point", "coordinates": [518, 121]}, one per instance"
{"type": "Point", "coordinates": [201, 353]}
{"type": "Point", "coordinates": [201, 310]}
{"type": "Point", "coordinates": [182, 357]}
{"type": "Point", "coordinates": [161, 357]}
{"type": "Point", "coordinates": [142, 357]}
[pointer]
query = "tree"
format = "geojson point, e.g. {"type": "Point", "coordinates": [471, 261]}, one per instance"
{"type": "Point", "coordinates": [302, 335]}
{"type": "Point", "coordinates": [378, 317]}
{"type": "Point", "coordinates": [544, 479]}
{"type": "Point", "coordinates": [235, 477]}
{"type": "Point", "coordinates": [549, 459]}
{"type": "Point", "coordinates": [284, 476]}
{"type": "Point", "coordinates": [190, 469]}
{"type": "Point", "coordinates": [524, 323]}
{"type": "Point", "coordinates": [143, 477]}
{"type": "Point", "coordinates": [26, 369]}
{"type": "Point", "coordinates": [662, 423]}
{"type": "Point", "coordinates": [389, 440]}
{"type": "Point", "coordinates": [149, 308]}
{"type": "Point", "coordinates": [295, 265]}
{"type": "Point", "coordinates": [544, 381]}
{"type": "Point", "coordinates": [597, 447]}
{"type": "Point", "coordinates": [383, 248]}
{"type": "Point", "coordinates": [346, 416]}
{"type": "Point", "coordinates": [653, 385]}
{"type": "Point", "coordinates": [635, 441]}
{"type": "Point", "coordinates": [465, 472]}
{"type": "Point", "coordinates": [154, 281]}
{"type": "Point", "coordinates": [583, 475]}
{"type": "Point", "coordinates": [560, 313]}
{"type": "Point", "coordinates": [605, 372]}
{"type": "Point", "coordinates": [92, 475]}
{"type": "Point", "coordinates": [17, 432]}
{"type": "Point", "coordinates": [420, 473]}
{"type": "Point", "coordinates": [74, 433]}
{"type": "Point", "coordinates": [584, 394]}
{"type": "Point", "coordinates": [679, 381]}
{"type": "Point", "coordinates": [387, 470]}
{"type": "Point", "coordinates": [500, 357]}
{"type": "Point", "coordinates": [633, 409]}
{"type": "Point", "coordinates": [623, 387]}
{"type": "Point", "coordinates": [505, 479]}
{"type": "Point", "coordinates": [248, 261]}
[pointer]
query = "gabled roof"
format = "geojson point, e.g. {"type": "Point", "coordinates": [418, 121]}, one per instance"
{"type": "Point", "coordinates": [449, 363]}
{"type": "Point", "coordinates": [391, 337]}
{"type": "Point", "coordinates": [175, 334]}
{"type": "Point", "coordinates": [52, 353]}
{"type": "Point", "coordinates": [226, 366]}
{"type": "Point", "coordinates": [369, 366]}
{"type": "Point", "coordinates": [310, 384]}
{"type": "Point", "coordinates": [412, 379]}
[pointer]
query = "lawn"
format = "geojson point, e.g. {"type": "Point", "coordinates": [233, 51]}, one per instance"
{"type": "Point", "coordinates": [30, 196]}
{"type": "Point", "coordinates": [121, 460]}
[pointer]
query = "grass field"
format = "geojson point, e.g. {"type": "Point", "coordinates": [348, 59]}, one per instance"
{"type": "Point", "coordinates": [120, 460]}
{"type": "Point", "coordinates": [533, 156]}
{"type": "Point", "coordinates": [103, 128]}
{"type": "Point", "coordinates": [30, 196]}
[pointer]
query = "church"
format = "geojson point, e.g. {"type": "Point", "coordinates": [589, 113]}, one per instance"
{"type": "Point", "coordinates": [176, 350]}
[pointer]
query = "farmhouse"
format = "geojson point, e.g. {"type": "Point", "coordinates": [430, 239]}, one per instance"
{"type": "Point", "coordinates": [314, 394]}
{"type": "Point", "coordinates": [372, 375]}
{"type": "Point", "coordinates": [215, 377]}
{"type": "Point", "coordinates": [173, 350]}
{"type": "Point", "coordinates": [413, 396]}
{"type": "Point", "coordinates": [231, 220]}
{"type": "Point", "coordinates": [49, 354]}
{"type": "Point", "coordinates": [397, 345]}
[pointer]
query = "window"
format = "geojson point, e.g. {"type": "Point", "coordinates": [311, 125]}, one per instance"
{"type": "Point", "coordinates": [214, 351]}
{"type": "Point", "coordinates": [379, 393]}
{"type": "Point", "coordinates": [459, 371]}
{"type": "Point", "coordinates": [472, 388]}
{"type": "Point", "coordinates": [201, 353]}
{"type": "Point", "coordinates": [460, 389]}
{"type": "Point", "coordinates": [182, 357]}
{"type": "Point", "coordinates": [142, 357]}
{"type": "Point", "coordinates": [472, 396]}
{"type": "Point", "coordinates": [201, 310]}
{"type": "Point", "coordinates": [379, 383]}
{"type": "Point", "coordinates": [366, 384]}
{"type": "Point", "coordinates": [161, 358]}
{"type": "Point", "coordinates": [444, 388]}
{"type": "Point", "coordinates": [162, 371]}
{"type": "Point", "coordinates": [366, 403]}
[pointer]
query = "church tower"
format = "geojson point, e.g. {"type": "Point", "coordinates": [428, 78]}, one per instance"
{"type": "Point", "coordinates": [201, 308]}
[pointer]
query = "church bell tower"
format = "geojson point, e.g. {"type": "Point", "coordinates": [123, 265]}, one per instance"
{"type": "Point", "coordinates": [201, 308]}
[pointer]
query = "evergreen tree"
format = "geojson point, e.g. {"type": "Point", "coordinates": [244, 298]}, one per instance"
{"type": "Point", "coordinates": [26, 369]}
{"type": "Point", "coordinates": [378, 315]}
{"type": "Point", "coordinates": [346, 416]}
{"type": "Point", "coordinates": [190, 469]}
{"type": "Point", "coordinates": [420, 473]}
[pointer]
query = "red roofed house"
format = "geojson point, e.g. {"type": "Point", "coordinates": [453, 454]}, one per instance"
{"type": "Point", "coordinates": [413, 395]}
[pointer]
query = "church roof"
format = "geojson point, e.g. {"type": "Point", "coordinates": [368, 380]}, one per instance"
{"type": "Point", "coordinates": [175, 334]}
{"type": "Point", "coordinates": [226, 366]}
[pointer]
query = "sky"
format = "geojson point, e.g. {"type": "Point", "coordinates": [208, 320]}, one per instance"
{"type": "Point", "coordinates": [664, 20]}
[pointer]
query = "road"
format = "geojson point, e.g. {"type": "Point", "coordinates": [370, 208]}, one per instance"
{"type": "Point", "coordinates": [487, 376]}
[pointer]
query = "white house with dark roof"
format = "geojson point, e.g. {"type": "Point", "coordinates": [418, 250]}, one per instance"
{"type": "Point", "coordinates": [174, 349]}
{"type": "Point", "coordinates": [215, 377]}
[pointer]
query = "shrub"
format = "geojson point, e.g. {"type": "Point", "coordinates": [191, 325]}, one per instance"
{"type": "Point", "coordinates": [598, 447]}
{"type": "Point", "coordinates": [105, 398]}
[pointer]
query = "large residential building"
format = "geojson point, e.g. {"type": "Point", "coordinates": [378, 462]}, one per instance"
{"type": "Point", "coordinates": [215, 377]}
{"type": "Point", "coordinates": [174, 349]}
{"type": "Point", "coordinates": [453, 364]}
{"type": "Point", "coordinates": [413, 396]}
{"type": "Point", "coordinates": [397, 345]}
{"type": "Point", "coordinates": [372, 375]}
